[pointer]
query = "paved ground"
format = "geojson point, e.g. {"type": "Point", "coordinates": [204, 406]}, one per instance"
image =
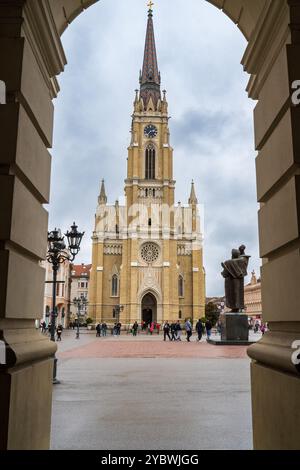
{"type": "Point", "coordinates": [127, 393]}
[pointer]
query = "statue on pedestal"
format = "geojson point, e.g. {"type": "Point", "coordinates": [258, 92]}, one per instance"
{"type": "Point", "coordinates": [234, 272]}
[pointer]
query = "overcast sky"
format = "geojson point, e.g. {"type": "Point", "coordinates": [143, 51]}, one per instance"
{"type": "Point", "coordinates": [199, 52]}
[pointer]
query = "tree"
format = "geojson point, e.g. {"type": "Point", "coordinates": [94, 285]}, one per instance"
{"type": "Point", "coordinates": [212, 313]}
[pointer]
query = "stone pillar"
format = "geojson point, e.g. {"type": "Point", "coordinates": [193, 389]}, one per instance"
{"type": "Point", "coordinates": [272, 57]}
{"type": "Point", "coordinates": [31, 53]}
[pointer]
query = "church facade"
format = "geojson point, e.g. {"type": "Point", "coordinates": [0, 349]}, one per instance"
{"type": "Point", "coordinates": [147, 258]}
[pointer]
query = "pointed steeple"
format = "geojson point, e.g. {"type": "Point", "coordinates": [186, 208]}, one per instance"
{"type": "Point", "coordinates": [102, 199]}
{"type": "Point", "coordinates": [193, 199]}
{"type": "Point", "coordinates": [150, 75]}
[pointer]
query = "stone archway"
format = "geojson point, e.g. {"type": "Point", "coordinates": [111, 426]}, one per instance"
{"type": "Point", "coordinates": [149, 308]}
{"type": "Point", "coordinates": [31, 57]}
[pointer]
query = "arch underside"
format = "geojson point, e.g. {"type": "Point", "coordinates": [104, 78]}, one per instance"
{"type": "Point", "coordinates": [243, 13]}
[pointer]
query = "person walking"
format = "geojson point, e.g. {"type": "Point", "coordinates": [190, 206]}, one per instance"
{"type": "Point", "coordinates": [135, 328]}
{"type": "Point", "coordinates": [178, 331]}
{"type": "Point", "coordinates": [166, 330]}
{"type": "Point", "coordinates": [98, 330]}
{"type": "Point", "coordinates": [59, 330]}
{"type": "Point", "coordinates": [188, 329]}
{"type": "Point", "coordinates": [104, 329]}
{"type": "Point", "coordinates": [173, 331]}
{"type": "Point", "coordinates": [208, 326]}
{"type": "Point", "coordinates": [119, 326]}
{"type": "Point", "coordinates": [44, 327]}
{"type": "Point", "coordinates": [263, 328]}
{"type": "Point", "coordinates": [199, 329]}
{"type": "Point", "coordinates": [151, 328]}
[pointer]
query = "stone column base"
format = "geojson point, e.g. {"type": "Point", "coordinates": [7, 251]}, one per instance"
{"type": "Point", "coordinates": [276, 410]}
{"type": "Point", "coordinates": [25, 387]}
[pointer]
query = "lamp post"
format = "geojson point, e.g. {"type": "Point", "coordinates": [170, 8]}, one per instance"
{"type": "Point", "coordinates": [81, 303]}
{"type": "Point", "coordinates": [57, 254]}
{"type": "Point", "coordinates": [118, 309]}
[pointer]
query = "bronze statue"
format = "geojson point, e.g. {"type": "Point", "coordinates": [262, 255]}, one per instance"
{"type": "Point", "coordinates": [235, 270]}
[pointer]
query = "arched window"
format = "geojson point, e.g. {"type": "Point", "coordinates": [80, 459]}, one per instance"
{"type": "Point", "coordinates": [180, 286]}
{"type": "Point", "coordinates": [114, 285]}
{"type": "Point", "coordinates": [150, 163]}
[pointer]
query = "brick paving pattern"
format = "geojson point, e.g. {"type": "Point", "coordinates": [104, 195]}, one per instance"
{"type": "Point", "coordinates": [121, 348]}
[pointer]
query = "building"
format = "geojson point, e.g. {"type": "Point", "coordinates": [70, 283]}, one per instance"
{"type": "Point", "coordinates": [253, 302]}
{"type": "Point", "coordinates": [34, 30]}
{"type": "Point", "coordinates": [80, 278]}
{"type": "Point", "coordinates": [62, 293]}
{"type": "Point", "coordinates": [147, 255]}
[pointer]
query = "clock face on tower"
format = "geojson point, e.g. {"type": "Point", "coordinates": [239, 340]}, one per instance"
{"type": "Point", "coordinates": [150, 131]}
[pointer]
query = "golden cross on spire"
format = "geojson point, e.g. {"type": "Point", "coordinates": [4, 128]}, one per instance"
{"type": "Point", "coordinates": [150, 4]}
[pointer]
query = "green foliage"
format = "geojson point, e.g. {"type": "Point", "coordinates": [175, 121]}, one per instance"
{"type": "Point", "coordinates": [89, 321]}
{"type": "Point", "coordinates": [212, 313]}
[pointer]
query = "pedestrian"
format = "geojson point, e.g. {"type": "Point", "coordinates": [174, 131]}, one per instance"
{"type": "Point", "coordinates": [119, 326]}
{"type": "Point", "coordinates": [173, 331]}
{"type": "Point", "coordinates": [98, 330]}
{"type": "Point", "coordinates": [157, 328]}
{"type": "Point", "coordinates": [199, 329]}
{"type": "Point", "coordinates": [59, 330]}
{"type": "Point", "coordinates": [104, 329]}
{"type": "Point", "coordinates": [178, 331]}
{"type": "Point", "coordinates": [49, 329]}
{"type": "Point", "coordinates": [44, 327]}
{"type": "Point", "coordinates": [135, 328]}
{"type": "Point", "coordinates": [151, 329]}
{"type": "Point", "coordinates": [263, 328]}
{"type": "Point", "coordinates": [188, 329]}
{"type": "Point", "coordinates": [208, 326]}
{"type": "Point", "coordinates": [166, 330]}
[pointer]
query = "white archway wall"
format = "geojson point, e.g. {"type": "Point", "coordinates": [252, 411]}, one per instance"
{"type": "Point", "coordinates": [243, 13]}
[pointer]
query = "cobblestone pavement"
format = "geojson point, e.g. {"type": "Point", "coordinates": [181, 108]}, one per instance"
{"type": "Point", "coordinates": [142, 346]}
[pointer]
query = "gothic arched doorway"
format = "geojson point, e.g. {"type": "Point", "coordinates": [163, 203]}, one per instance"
{"type": "Point", "coordinates": [149, 308]}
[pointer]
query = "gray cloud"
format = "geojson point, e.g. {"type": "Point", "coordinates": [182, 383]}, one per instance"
{"type": "Point", "coordinates": [199, 51]}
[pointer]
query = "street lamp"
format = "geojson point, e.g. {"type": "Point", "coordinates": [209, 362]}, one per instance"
{"type": "Point", "coordinates": [118, 309]}
{"type": "Point", "coordinates": [57, 254]}
{"type": "Point", "coordinates": [81, 303]}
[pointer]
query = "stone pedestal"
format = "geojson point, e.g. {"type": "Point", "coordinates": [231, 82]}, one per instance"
{"type": "Point", "coordinates": [234, 327]}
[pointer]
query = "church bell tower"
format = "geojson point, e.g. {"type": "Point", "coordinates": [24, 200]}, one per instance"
{"type": "Point", "coordinates": [147, 255]}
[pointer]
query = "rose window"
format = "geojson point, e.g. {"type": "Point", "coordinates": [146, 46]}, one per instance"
{"type": "Point", "coordinates": [150, 252]}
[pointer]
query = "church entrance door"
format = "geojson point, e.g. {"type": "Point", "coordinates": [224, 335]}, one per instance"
{"type": "Point", "coordinates": [149, 309]}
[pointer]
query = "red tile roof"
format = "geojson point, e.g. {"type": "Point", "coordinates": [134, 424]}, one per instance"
{"type": "Point", "coordinates": [79, 270]}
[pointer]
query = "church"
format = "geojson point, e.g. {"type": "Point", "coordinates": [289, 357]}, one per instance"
{"type": "Point", "coordinates": [147, 256]}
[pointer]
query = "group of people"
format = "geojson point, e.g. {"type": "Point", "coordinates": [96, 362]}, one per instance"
{"type": "Point", "coordinates": [150, 327]}
{"type": "Point", "coordinates": [174, 330]}
{"type": "Point", "coordinates": [262, 327]}
{"type": "Point", "coordinates": [101, 329]}
{"type": "Point", "coordinates": [47, 329]}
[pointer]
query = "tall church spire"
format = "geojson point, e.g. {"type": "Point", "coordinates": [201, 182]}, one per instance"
{"type": "Point", "coordinates": [150, 75]}
{"type": "Point", "coordinates": [102, 198]}
{"type": "Point", "coordinates": [193, 198]}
